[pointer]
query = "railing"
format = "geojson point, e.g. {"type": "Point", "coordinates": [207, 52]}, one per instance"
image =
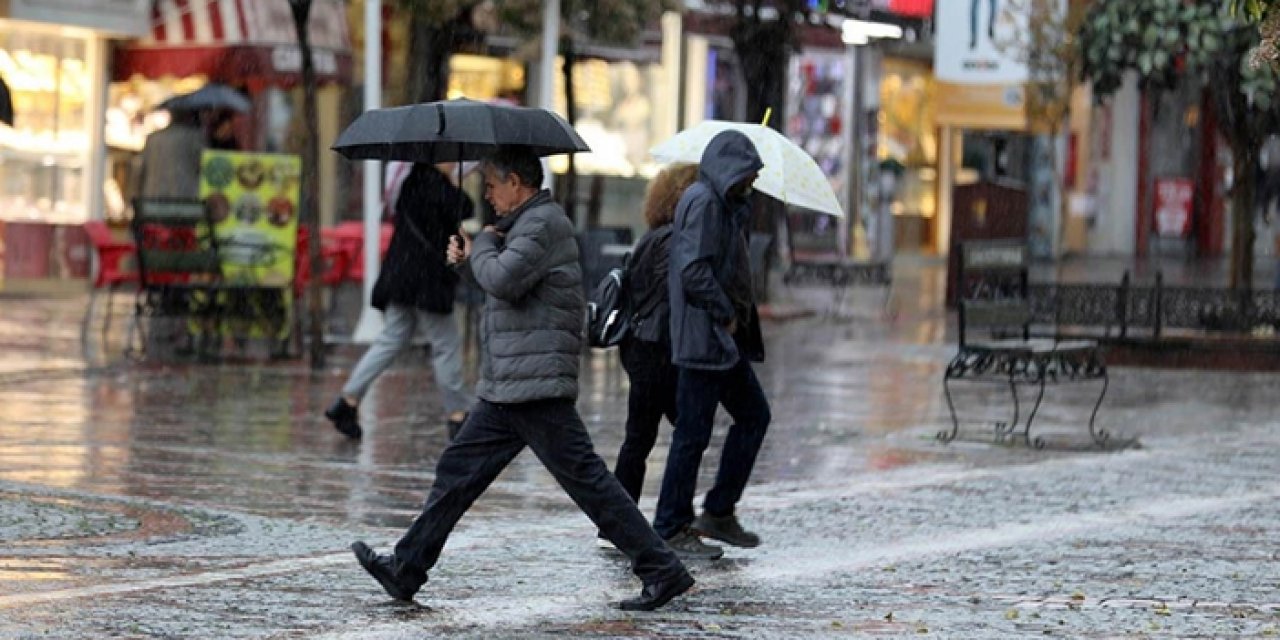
{"type": "Point", "coordinates": [1125, 310]}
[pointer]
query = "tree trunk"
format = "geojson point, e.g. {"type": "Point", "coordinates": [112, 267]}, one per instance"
{"type": "Point", "coordinates": [570, 55]}
{"type": "Point", "coordinates": [1245, 159]}
{"type": "Point", "coordinates": [310, 164]}
{"type": "Point", "coordinates": [764, 54]}
{"type": "Point", "coordinates": [1238, 127]}
{"type": "Point", "coordinates": [427, 79]}
{"type": "Point", "coordinates": [764, 50]}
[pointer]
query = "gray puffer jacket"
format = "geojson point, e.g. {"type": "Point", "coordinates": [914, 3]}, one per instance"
{"type": "Point", "coordinates": [534, 308]}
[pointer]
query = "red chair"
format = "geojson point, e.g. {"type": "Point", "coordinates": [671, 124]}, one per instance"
{"type": "Point", "coordinates": [350, 238]}
{"type": "Point", "coordinates": [117, 265]}
{"type": "Point", "coordinates": [331, 254]}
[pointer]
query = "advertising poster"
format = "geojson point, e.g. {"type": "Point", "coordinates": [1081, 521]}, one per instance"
{"type": "Point", "coordinates": [1173, 207]}
{"type": "Point", "coordinates": [976, 42]}
{"type": "Point", "coordinates": [980, 55]}
{"type": "Point", "coordinates": [253, 201]}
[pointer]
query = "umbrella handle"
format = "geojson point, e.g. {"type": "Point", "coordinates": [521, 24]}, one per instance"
{"type": "Point", "coordinates": [440, 118]}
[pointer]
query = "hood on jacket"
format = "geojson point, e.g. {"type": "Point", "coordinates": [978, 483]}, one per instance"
{"type": "Point", "coordinates": [728, 158]}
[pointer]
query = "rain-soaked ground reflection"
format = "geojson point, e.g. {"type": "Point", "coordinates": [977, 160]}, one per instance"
{"type": "Point", "coordinates": [249, 436]}
{"type": "Point", "coordinates": [213, 500]}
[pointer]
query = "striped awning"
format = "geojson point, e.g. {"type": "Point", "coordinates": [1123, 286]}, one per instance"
{"type": "Point", "coordinates": [238, 41]}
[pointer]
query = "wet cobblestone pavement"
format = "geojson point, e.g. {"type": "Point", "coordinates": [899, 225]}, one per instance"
{"type": "Point", "coordinates": [213, 501]}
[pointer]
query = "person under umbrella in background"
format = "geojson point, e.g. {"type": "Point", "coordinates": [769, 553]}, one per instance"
{"type": "Point", "coordinates": [715, 334]}
{"type": "Point", "coordinates": [415, 291]}
{"type": "Point", "coordinates": [527, 264]}
{"type": "Point", "coordinates": [645, 351]}
{"type": "Point", "coordinates": [222, 130]}
{"type": "Point", "coordinates": [169, 165]}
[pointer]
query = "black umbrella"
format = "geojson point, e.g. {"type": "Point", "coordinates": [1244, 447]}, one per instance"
{"type": "Point", "coordinates": [6, 104]}
{"type": "Point", "coordinates": [210, 96]}
{"type": "Point", "coordinates": [453, 130]}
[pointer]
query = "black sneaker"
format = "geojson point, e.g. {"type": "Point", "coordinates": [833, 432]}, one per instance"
{"type": "Point", "coordinates": [397, 580]}
{"type": "Point", "coordinates": [726, 529]}
{"type": "Point", "coordinates": [345, 418]}
{"type": "Point", "coordinates": [689, 546]}
{"type": "Point", "coordinates": [604, 543]}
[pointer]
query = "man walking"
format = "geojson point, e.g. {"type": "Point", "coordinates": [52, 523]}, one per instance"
{"type": "Point", "coordinates": [715, 332]}
{"type": "Point", "coordinates": [527, 264]}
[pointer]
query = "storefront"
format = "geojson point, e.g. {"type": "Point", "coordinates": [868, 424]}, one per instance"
{"type": "Point", "coordinates": [818, 111]}
{"type": "Point", "coordinates": [53, 55]}
{"type": "Point", "coordinates": [626, 100]}
{"type": "Point", "coordinates": [247, 44]}
{"type": "Point", "coordinates": [907, 152]}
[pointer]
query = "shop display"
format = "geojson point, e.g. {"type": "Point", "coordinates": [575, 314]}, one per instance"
{"type": "Point", "coordinates": [252, 199]}
{"type": "Point", "coordinates": [44, 155]}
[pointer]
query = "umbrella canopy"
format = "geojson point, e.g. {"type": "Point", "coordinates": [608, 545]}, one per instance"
{"type": "Point", "coordinates": [789, 174]}
{"type": "Point", "coordinates": [6, 103]}
{"type": "Point", "coordinates": [210, 96]}
{"type": "Point", "coordinates": [452, 130]}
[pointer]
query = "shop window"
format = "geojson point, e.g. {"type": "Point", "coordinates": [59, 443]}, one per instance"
{"type": "Point", "coordinates": [617, 104]}
{"type": "Point", "coordinates": [43, 156]}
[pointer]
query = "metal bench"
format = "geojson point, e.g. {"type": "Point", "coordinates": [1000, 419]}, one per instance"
{"type": "Point", "coordinates": [994, 297]}
{"type": "Point", "coordinates": [181, 277]}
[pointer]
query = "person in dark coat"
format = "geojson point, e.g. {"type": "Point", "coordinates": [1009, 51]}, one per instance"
{"type": "Point", "coordinates": [645, 351]}
{"type": "Point", "coordinates": [527, 264]}
{"type": "Point", "coordinates": [415, 292]}
{"type": "Point", "coordinates": [715, 334]}
{"type": "Point", "coordinates": [169, 165]}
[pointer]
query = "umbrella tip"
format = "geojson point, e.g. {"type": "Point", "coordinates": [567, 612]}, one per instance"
{"type": "Point", "coordinates": [768, 111]}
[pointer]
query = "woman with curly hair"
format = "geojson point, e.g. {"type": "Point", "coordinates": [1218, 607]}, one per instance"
{"type": "Point", "coordinates": [646, 349]}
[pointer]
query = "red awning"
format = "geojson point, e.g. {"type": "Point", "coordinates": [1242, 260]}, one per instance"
{"type": "Point", "coordinates": [238, 41]}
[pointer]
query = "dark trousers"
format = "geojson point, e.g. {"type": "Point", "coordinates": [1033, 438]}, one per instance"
{"type": "Point", "coordinates": [653, 395]}
{"type": "Point", "coordinates": [696, 398]}
{"type": "Point", "coordinates": [490, 438]}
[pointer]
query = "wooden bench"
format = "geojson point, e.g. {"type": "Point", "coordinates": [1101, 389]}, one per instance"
{"type": "Point", "coordinates": [181, 276]}
{"type": "Point", "coordinates": [993, 298]}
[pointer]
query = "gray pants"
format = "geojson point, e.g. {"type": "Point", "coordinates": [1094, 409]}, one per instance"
{"type": "Point", "coordinates": [400, 326]}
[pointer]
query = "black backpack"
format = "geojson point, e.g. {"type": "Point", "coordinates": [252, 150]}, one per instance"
{"type": "Point", "coordinates": [609, 309]}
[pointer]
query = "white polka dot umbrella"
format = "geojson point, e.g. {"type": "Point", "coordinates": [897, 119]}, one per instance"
{"type": "Point", "coordinates": [789, 174]}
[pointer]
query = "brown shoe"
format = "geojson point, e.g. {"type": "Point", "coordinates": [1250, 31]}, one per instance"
{"type": "Point", "coordinates": [689, 546]}
{"type": "Point", "coordinates": [726, 529]}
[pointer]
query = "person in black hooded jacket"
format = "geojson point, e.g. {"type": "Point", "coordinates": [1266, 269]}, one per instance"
{"type": "Point", "coordinates": [415, 291]}
{"type": "Point", "coordinates": [715, 335]}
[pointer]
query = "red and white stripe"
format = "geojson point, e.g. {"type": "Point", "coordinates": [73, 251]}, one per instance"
{"type": "Point", "coordinates": [185, 23]}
